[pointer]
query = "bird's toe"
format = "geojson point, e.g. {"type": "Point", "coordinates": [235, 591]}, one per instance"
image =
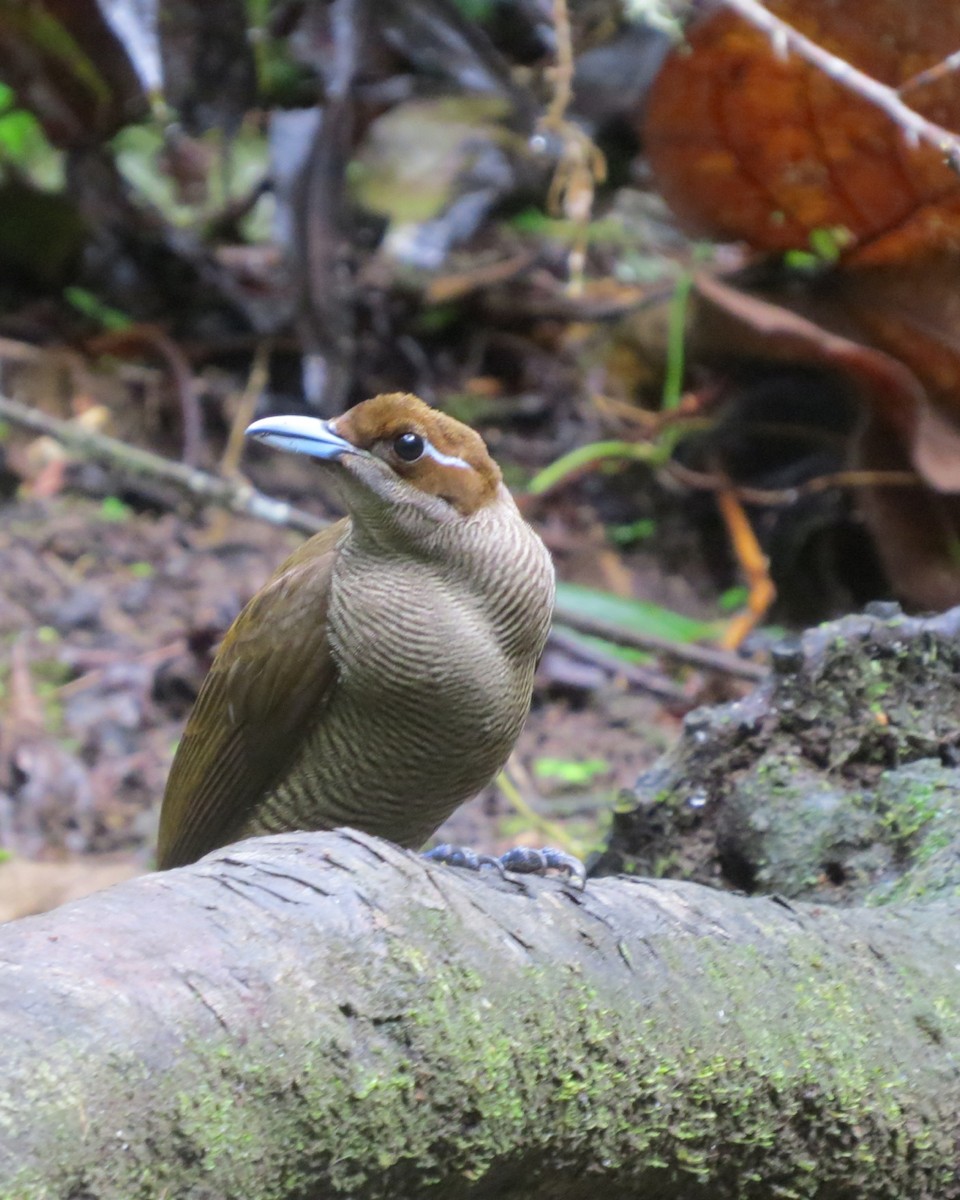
{"type": "Point", "coordinates": [526, 860]}
{"type": "Point", "coordinates": [523, 860]}
{"type": "Point", "coordinates": [462, 856]}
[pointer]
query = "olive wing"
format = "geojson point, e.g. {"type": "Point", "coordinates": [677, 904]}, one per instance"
{"type": "Point", "coordinates": [265, 689]}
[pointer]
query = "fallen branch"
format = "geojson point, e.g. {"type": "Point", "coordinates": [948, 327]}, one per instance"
{"type": "Point", "coordinates": [639, 676]}
{"type": "Point", "coordinates": [232, 494]}
{"type": "Point", "coordinates": [327, 1015]}
{"type": "Point", "coordinates": [240, 497]}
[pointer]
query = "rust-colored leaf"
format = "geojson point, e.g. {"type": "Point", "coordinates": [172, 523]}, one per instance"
{"type": "Point", "coordinates": [750, 145]}
{"type": "Point", "coordinates": [764, 147]}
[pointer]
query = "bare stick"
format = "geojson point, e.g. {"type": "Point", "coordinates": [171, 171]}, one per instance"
{"type": "Point", "coordinates": [237, 496]}
{"type": "Point", "coordinates": [931, 75]}
{"type": "Point", "coordinates": [581, 164]}
{"type": "Point", "coordinates": [783, 497]}
{"type": "Point", "coordinates": [642, 677]}
{"type": "Point", "coordinates": [249, 398]}
{"type": "Point", "coordinates": [707, 658]}
{"type": "Point", "coordinates": [562, 73]}
{"type": "Point", "coordinates": [137, 337]}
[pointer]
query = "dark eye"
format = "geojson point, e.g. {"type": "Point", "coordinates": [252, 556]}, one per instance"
{"type": "Point", "coordinates": [408, 446]}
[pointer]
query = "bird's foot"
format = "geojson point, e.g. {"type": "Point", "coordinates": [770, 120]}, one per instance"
{"type": "Point", "coordinates": [462, 856]}
{"type": "Point", "coordinates": [524, 860]}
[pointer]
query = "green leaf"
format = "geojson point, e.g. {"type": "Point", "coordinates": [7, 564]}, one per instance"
{"type": "Point", "coordinates": [608, 231]}
{"type": "Point", "coordinates": [437, 318]}
{"type": "Point", "coordinates": [23, 143]}
{"type": "Point", "coordinates": [633, 531]}
{"type": "Point", "coordinates": [87, 303]}
{"type": "Point", "coordinates": [801, 260]}
{"type": "Point", "coordinates": [476, 10]}
{"type": "Point", "coordinates": [828, 243]}
{"type": "Point", "coordinates": [113, 509]}
{"type": "Point", "coordinates": [734, 598]}
{"type": "Point", "coordinates": [573, 599]}
{"type": "Point", "coordinates": [570, 770]}
{"type": "Point", "coordinates": [677, 331]}
{"type": "Point", "coordinates": [826, 246]}
{"type": "Point", "coordinates": [676, 343]}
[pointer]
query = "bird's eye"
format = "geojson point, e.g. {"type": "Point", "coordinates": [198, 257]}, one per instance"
{"type": "Point", "coordinates": [409, 446]}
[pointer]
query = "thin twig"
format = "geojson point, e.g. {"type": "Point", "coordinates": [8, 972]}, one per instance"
{"type": "Point", "coordinates": [255, 386]}
{"type": "Point", "coordinates": [238, 497]}
{"type": "Point", "coordinates": [135, 339]}
{"type": "Point", "coordinates": [779, 497]}
{"type": "Point", "coordinates": [704, 657]}
{"type": "Point", "coordinates": [648, 680]}
{"type": "Point", "coordinates": [581, 164]}
{"type": "Point", "coordinates": [96, 675]}
{"type": "Point", "coordinates": [562, 74]}
{"type": "Point", "coordinates": [508, 782]}
{"type": "Point", "coordinates": [753, 562]}
{"type": "Point", "coordinates": [931, 75]}
{"type": "Point", "coordinates": [784, 37]}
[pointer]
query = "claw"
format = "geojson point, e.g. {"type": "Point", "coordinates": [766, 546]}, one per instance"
{"type": "Point", "coordinates": [527, 861]}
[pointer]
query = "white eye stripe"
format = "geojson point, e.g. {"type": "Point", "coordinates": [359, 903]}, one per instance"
{"type": "Point", "coordinates": [445, 460]}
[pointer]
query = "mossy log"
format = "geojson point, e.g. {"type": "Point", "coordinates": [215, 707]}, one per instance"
{"type": "Point", "coordinates": [326, 1015]}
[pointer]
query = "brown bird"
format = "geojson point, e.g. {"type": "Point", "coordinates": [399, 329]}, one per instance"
{"type": "Point", "coordinates": [382, 676]}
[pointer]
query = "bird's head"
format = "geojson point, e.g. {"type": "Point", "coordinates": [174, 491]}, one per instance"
{"type": "Point", "coordinates": [395, 461]}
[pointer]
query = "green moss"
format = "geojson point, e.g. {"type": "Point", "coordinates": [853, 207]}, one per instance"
{"type": "Point", "coordinates": [904, 816]}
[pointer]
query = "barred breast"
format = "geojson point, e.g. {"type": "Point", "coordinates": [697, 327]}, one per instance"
{"type": "Point", "coordinates": [435, 673]}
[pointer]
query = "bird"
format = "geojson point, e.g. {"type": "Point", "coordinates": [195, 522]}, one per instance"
{"type": "Point", "coordinates": [383, 675]}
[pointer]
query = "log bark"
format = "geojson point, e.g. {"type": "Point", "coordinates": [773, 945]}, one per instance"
{"type": "Point", "coordinates": [325, 1015]}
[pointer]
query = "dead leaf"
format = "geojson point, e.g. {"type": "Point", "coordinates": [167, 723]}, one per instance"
{"type": "Point", "coordinates": [747, 144]}
{"type": "Point", "coordinates": [915, 530]}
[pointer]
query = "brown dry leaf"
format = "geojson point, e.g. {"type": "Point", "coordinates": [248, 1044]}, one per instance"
{"type": "Point", "coordinates": [45, 461]}
{"type": "Point", "coordinates": [749, 145]}
{"type": "Point", "coordinates": [915, 529]}
{"type": "Point", "coordinates": [913, 314]}
{"type": "Point", "coordinates": [24, 711]}
{"type": "Point", "coordinates": [894, 332]}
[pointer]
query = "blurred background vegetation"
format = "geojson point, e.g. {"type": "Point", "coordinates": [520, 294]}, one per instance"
{"type": "Point", "coordinates": [695, 285]}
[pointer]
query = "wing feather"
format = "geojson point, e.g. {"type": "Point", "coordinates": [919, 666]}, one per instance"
{"type": "Point", "coordinates": [255, 707]}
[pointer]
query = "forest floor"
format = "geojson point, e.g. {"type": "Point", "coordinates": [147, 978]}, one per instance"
{"type": "Point", "coordinates": [112, 616]}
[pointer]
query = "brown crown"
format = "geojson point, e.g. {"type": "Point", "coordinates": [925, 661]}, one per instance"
{"type": "Point", "coordinates": [375, 424]}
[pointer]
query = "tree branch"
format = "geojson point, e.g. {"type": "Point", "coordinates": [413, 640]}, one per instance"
{"type": "Point", "coordinates": [327, 1015]}
{"type": "Point", "coordinates": [235, 495]}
